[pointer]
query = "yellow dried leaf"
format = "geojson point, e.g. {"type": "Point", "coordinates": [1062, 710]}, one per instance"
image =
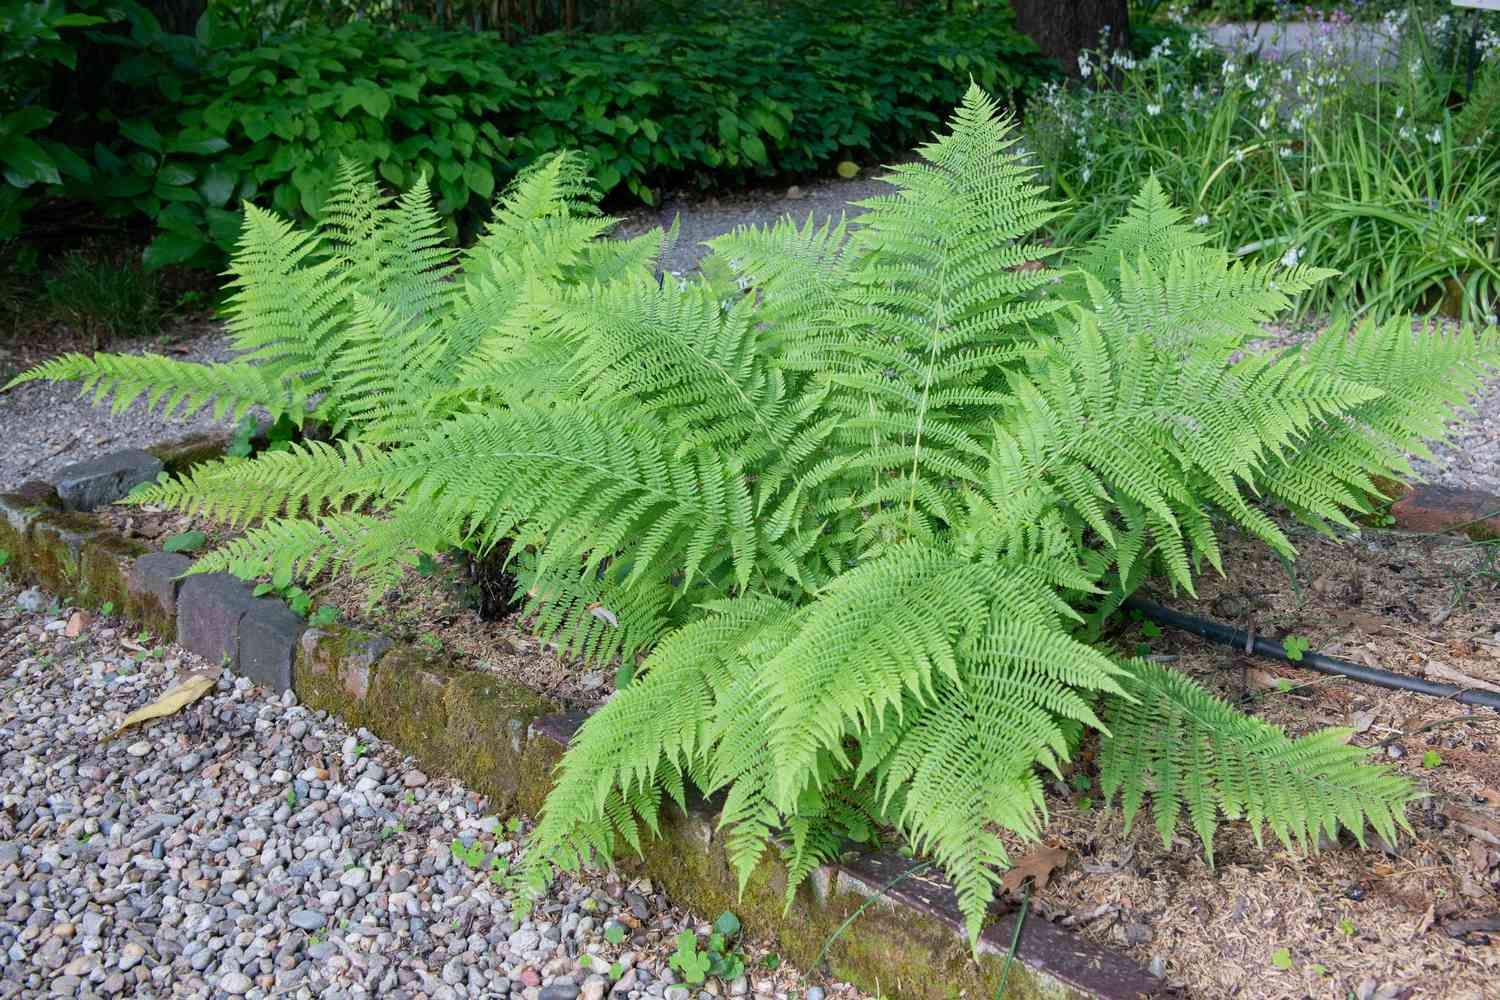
{"type": "Point", "coordinates": [174, 701]}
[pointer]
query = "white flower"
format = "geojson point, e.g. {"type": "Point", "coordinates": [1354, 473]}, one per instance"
{"type": "Point", "coordinates": [1085, 70]}
{"type": "Point", "coordinates": [1086, 174]}
{"type": "Point", "coordinates": [1477, 220]}
{"type": "Point", "coordinates": [1290, 258]}
{"type": "Point", "coordinates": [1407, 133]}
{"type": "Point", "coordinates": [1286, 151]}
{"type": "Point", "coordinates": [1253, 82]}
{"type": "Point", "coordinates": [1435, 136]}
{"type": "Point", "coordinates": [1153, 110]}
{"type": "Point", "coordinates": [1201, 220]}
{"type": "Point", "coordinates": [1286, 76]}
{"type": "Point", "coordinates": [1239, 155]}
{"type": "Point", "coordinates": [1265, 121]}
{"type": "Point", "coordinates": [1400, 111]}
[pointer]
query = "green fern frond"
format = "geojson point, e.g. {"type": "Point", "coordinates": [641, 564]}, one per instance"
{"type": "Point", "coordinates": [1195, 754]}
{"type": "Point", "coordinates": [175, 387]}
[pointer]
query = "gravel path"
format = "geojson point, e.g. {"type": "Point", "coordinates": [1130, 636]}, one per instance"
{"type": "Point", "coordinates": [48, 426]}
{"type": "Point", "coordinates": [701, 220]}
{"type": "Point", "coordinates": [250, 847]}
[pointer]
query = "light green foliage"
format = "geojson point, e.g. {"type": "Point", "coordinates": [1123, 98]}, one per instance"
{"type": "Point", "coordinates": [693, 965]}
{"type": "Point", "coordinates": [855, 503]}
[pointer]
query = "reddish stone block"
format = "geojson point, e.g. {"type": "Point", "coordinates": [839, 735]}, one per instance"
{"type": "Point", "coordinates": [1429, 508]}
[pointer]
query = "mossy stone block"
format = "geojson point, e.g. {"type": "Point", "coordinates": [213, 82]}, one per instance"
{"type": "Point", "coordinates": [151, 589]}
{"type": "Point", "coordinates": [182, 454]}
{"type": "Point", "coordinates": [335, 668]}
{"type": "Point", "coordinates": [407, 703]}
{"type": "Point", "coordinates": [898, 949]}
{"type": "Point", "coordinates": [107, 559]}
{"type": "Point", "coordinates": [57, 541]}
{"type": "Point", "coordinates": [487, 722]}
{"type": "Point", "coordinates": [19, 511]}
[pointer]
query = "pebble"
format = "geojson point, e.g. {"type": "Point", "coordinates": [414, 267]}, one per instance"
{"type": "Point", "coordinates": [307, 920]}
{"type": "Point", "coordinates": [31, 600]}
{"type": "Point", "coordinates": [236, 984]}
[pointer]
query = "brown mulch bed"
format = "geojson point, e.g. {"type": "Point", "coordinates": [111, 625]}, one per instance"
{"type": "Point", "coordinates": [1379, 922]}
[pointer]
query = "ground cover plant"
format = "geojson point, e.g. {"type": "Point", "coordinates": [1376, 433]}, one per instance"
{"type": "Point", "coordinates": [849, 511]}
{"type": "Point", "coordinates": [176, 130]}
{"type": "Point", "coordinates": [1388, 174]}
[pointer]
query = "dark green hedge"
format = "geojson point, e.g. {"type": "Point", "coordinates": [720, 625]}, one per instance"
{"type": "Point", "coordinates": [193, 125]}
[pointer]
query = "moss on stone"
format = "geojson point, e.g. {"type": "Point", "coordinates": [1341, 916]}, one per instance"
{"type": "Point", "coordinates": [57, 542]}
{"type": "Point", "coordinates": [485, 737]}
{"type": "Point", "coordinates": [896, 950]}
{"type": "Point", "coordinates": [105, 569]}
{"type": "Point", "coordinates": [407, 704]}
{"type": "Point", "coordinates": [539, 759]}
{"type": "Point", "coordinates": [18, 515]}
{"type": "Point", "coordinates": [182, 454]}
{"type": "Point", "coordinates": [334, 670]}
{"type": "Point", "coordinates": [143, 608]}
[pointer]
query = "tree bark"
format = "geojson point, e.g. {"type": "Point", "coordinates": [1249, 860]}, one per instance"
{"type": "Point", "coordinates": [1063, 28]}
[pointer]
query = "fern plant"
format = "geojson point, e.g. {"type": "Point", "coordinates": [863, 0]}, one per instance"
{"type": "Point", "coordinates": [366, 318]}
{"type": "Point", "coordinates": [851, 511]}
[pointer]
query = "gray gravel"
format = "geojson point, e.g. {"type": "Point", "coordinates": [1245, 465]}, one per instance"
{"type": "Point", "coordinates": [703, 219]}
{"type": "Point", "coordinates": [49, 426]}
{"type": "Point", "coordinates": [250, 847]}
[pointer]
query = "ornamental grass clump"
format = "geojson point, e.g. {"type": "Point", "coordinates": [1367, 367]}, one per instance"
{"type": "Point", "coordinates": [1384, 167]}
{"type": "Point", "coordinates": [849, 512]}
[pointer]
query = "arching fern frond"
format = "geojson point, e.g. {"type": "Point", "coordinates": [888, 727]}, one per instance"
{"type": "Point", "coordinates": [181, 387]}
{"type": "Point", "coordinates": [1195, 754]}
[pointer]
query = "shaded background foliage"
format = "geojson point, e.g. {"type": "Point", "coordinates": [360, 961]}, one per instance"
{"type": "Point", "coordinates": [130, 109]}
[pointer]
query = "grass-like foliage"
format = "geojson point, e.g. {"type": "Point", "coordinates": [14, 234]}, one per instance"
{"type": "Point", "coordinates": [1386, 169]}
{"type": "Point", "coordinates": [849, 511]}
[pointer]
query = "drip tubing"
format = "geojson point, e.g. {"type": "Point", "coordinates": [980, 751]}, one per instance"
{"type": "Point", "coordinates": [1224, 634]}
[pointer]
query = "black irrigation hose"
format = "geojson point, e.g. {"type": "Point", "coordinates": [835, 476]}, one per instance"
{"type": "Point", "coordinates": [1216, 632]}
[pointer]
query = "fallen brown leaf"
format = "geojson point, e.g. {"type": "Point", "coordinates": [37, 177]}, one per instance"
{"type": "Point", "coordinates": [170, 703]}
{"type": "Point", "coordinates": [1475, 824]}
{"type": "Point", "coordinates": [1038, 863]}
{"type": "Point", "coordinates": [77, 622]}
{"type": "Point", "coordinates": [1489, 795]}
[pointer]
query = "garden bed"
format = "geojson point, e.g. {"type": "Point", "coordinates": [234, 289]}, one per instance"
{"type": "Point", "coordinates": [1378, 922]}
{"type": "Point", "coordinates": [504, 739]}
{"type": "Point", "coordinates": [1394, 915]}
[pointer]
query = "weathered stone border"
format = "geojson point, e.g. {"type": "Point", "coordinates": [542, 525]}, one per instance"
{"type": "Point", "coordinates": [505, 740]}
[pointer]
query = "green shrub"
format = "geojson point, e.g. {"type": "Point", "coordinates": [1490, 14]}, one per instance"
{"type": "Point", "coordinates": [34, 38]}
{"type": "Point", "coordinates": [1387, 183]}
{"type": "Point", "coordinates": [193, 126]}
{"type": "Point", "coordinates": [849, 510]}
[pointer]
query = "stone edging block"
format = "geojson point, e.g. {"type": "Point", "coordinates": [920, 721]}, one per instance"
{"type": "Point", "coordinates": [209, 609]}
{"type": "Point", "coordinates": [1428, 508]}
{"type": "Point", "coordinates": [103, 480]}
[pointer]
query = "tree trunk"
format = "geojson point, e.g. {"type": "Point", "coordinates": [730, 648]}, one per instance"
{"type": "Point", "coordinates": [1063, 28]}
